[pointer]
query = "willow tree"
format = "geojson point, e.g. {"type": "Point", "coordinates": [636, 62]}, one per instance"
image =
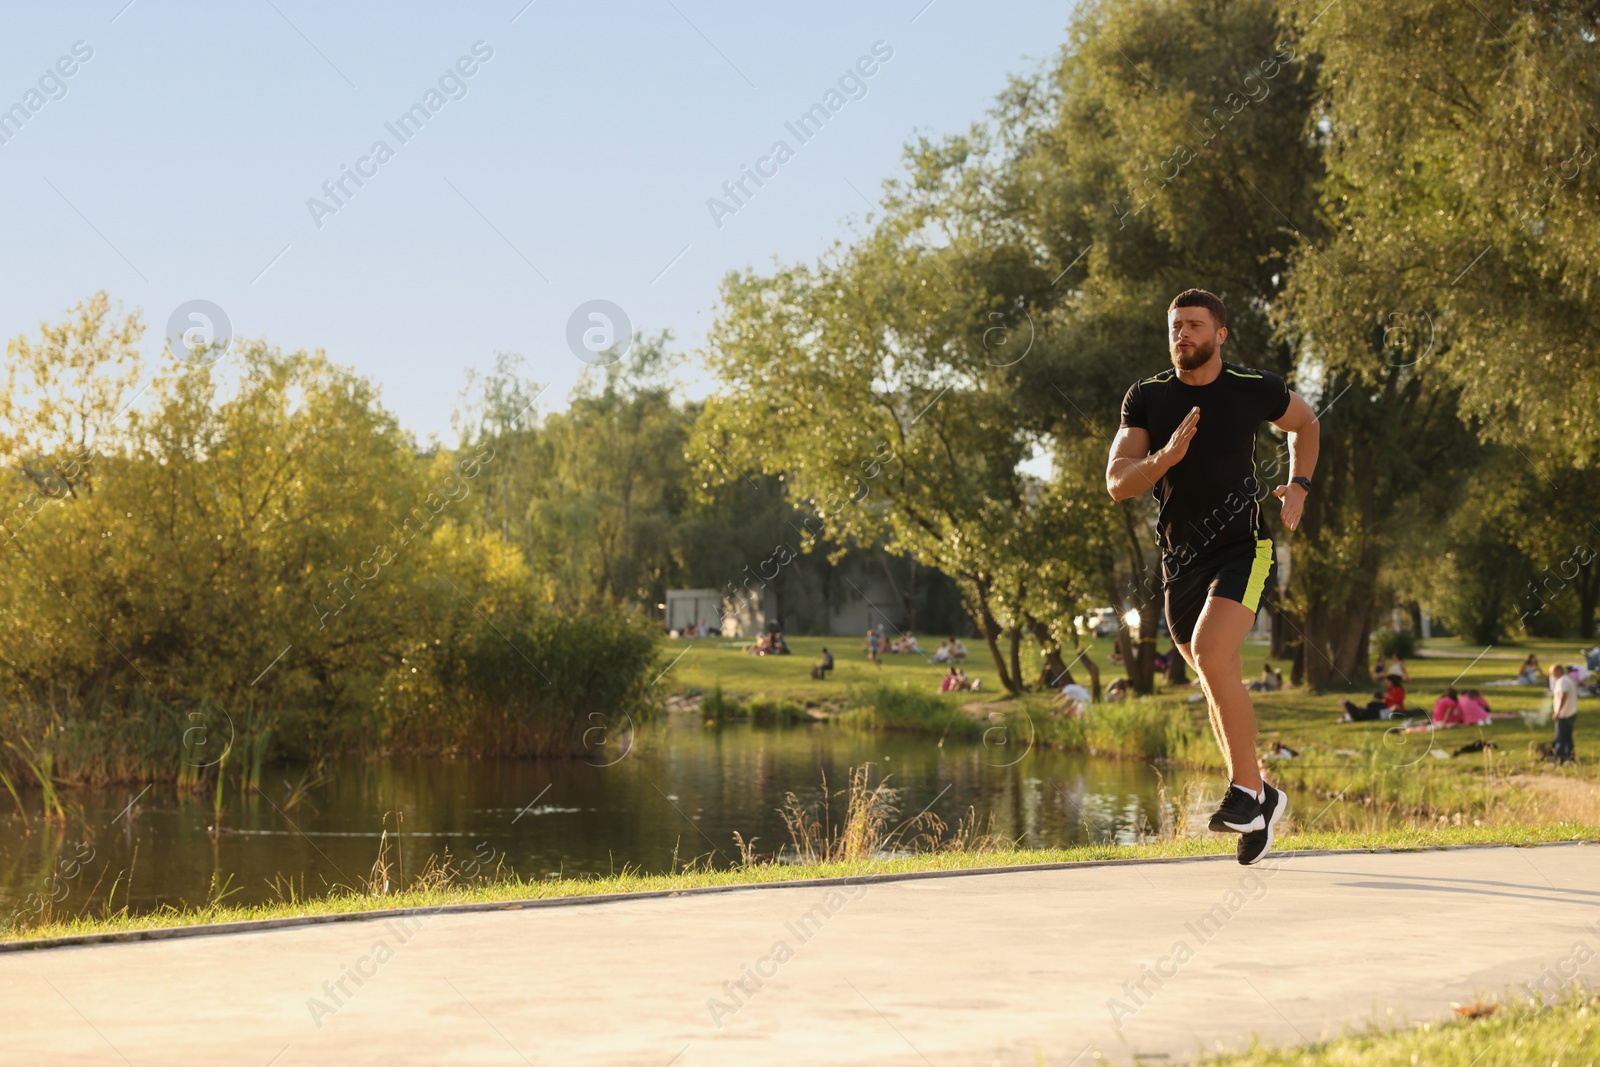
{"type": "Point", "coordinates": [1452, 300]}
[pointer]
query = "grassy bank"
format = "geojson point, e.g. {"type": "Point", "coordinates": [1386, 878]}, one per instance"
{"type": "Point", "coordinates": [1144, 729]}
{"type": "Point", "coordinates": [1512, 1034]}
{"type": "Point", "coordinates": [443, 891]}
{"type": "Point", "coordinates": [1362, 776]}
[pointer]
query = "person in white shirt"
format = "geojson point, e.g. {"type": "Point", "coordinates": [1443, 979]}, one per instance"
{"type": "Point", "coordinates": [1564, 708]}
{"type": "Point", "coordinates": [1074, 699]}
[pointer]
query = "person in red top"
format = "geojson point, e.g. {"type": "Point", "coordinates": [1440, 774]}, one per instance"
{"type": "Point", "coordinates": [1386, 705]}
{"type": "Point", "coordinates": [1394, 700]}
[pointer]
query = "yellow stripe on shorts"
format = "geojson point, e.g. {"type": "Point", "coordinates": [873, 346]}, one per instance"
{"type": "Point", "coordinates": [1258, 575]}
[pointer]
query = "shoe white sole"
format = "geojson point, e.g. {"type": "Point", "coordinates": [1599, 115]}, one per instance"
{"type": "Point", "coordinates": [1272, 823]}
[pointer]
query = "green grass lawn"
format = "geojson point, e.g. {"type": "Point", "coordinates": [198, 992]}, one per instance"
{"type": "Point", "coordinates": [710, 660]}
{"type": "Point", "coordinates": [701, 664]}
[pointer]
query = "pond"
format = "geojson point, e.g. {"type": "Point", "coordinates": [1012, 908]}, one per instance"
{"type": "Point", "coordinates": [678, 795]}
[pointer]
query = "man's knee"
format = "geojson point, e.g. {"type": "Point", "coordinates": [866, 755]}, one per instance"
{"type": "Point", "coordinates": [1212, 662]}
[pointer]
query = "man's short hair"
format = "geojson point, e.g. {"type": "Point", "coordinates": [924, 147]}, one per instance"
{"type": "Point", "coordinates": [1199, 298]}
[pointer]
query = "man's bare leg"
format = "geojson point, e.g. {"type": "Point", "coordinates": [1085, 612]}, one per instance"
{"type": "Point", "coordinates": [1218, 640]}
{"type": "Point", "coordinates": [1211, 704]}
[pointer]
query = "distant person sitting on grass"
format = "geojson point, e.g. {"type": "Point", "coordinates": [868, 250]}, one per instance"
{"type": "Point", "coordinates": [1395, 666]}
{"type": "Point", "coordinates": [1474, 709]}
{"type": "Point", "coordinates": [1117, 690]}
{"type": "Point", "coordinates": [942, 653]}
{"type": "Point", "coordinates": [821, 670]}
{"type": "Point", "coordinates": [1385, 705]}
{"type": "Point", "coordinates": [958, 681]}
{"type": "Point", "coordinates": [1447, 709]}
{"type": "Point", "coordinates": [762, 647]}
{"type": "Point", "coordinates": [1530, 673]}
{"type": "Point", "coordinates": [780, 647]}
{"type": "Point", "coordinates": [1269, 682]}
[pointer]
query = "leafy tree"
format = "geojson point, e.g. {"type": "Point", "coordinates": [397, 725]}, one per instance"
{"type": "Point", "coordinates": [257, 548]}
{"type": "Point", "coordinates": [1462, 142]}
{"type": "Point", "coordinates": [1441, 309]}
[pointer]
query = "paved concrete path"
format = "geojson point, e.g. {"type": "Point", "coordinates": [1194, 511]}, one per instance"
{"type": "Point", "coordinates": [1135, 959]}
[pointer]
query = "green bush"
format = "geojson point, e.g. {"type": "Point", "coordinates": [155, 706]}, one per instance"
{"type": "Point", "coordinates": [1387, 642]}
{"type": "Point", "coordinates": [777, 713]}
{"type": "Point", "coordinates": [716, 706]}
{"type": "Point", "coordinates": [900, 707]}
{"type": "Point", "coordinates": [526, 682]}
{"type": "Point", "coordinates": [1138, 729]}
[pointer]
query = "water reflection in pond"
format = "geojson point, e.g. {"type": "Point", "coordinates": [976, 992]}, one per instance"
{"type": "Point", "coordinates": [679, 795]}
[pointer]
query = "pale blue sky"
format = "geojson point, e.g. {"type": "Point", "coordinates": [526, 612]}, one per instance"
{"type": "Point", "coordinates": [577, 165]}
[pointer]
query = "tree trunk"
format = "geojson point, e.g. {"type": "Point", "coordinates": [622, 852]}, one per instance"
{"type": "Point", "coordinates": [1094, 675]}
{"type": "Point", "coordinates": [1015, 634]}
{"type": "Point", "coordinates": [1588, 585]}
{"type": "Point", "coordinates": [1284, 645]}
{"type": "Point", "coordinates": [1177, 674]}
{"type": "Point", "coordinates": [991, 634]}
{"type": "Point", "coordinates": [1336, 578]}
{"type": "Point", "coordinates": [1296, 650]}
{"type": "Point", "coordinates": [1056, 672]}
{"type": "Point", "coordinates": [1143, 677]}
{"type": "Point", "coordinates": [1138, 656]}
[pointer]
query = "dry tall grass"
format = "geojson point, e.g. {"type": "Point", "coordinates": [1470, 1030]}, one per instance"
{"type": "Point", "coordinates": [867, 826]}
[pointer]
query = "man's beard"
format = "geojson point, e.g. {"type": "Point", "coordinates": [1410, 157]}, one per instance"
{"type": "Point", "coordinates": [1195, 358]}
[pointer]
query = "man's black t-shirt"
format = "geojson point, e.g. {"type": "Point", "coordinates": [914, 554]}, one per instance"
{"type": "Point", "coordinates": [1209, 498]}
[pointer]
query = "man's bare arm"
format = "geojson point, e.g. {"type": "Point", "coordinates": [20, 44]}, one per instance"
{"type": "Point", "coordinates": [1305, 440]}
{"type": "Point", "coordinates": [1134, 469]}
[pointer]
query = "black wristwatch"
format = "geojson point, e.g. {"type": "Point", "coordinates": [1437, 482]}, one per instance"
{"type": "Point", "coordinates": [1302, 481]}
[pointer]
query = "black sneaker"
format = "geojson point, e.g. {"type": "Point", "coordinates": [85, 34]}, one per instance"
{"type": "Point", "coordinates": [1240, 813]}
{"type": "Point", "coordinates": [1256, 844]}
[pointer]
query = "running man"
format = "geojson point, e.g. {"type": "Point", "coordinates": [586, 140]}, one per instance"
{"type": "Point", "coordinates": [1216, 550]}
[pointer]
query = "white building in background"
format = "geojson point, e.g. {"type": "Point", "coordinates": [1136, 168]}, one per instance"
{"type": "Point", "coordinates": [745, 617]}
{"type": "Point", "coordinates": [836, 600]}
{"type": "Point", "coordinates": [685, 606]}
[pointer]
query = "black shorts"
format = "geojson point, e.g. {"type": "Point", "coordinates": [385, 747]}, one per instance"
{"type": "Point", "coordinates": [1241, 573]}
